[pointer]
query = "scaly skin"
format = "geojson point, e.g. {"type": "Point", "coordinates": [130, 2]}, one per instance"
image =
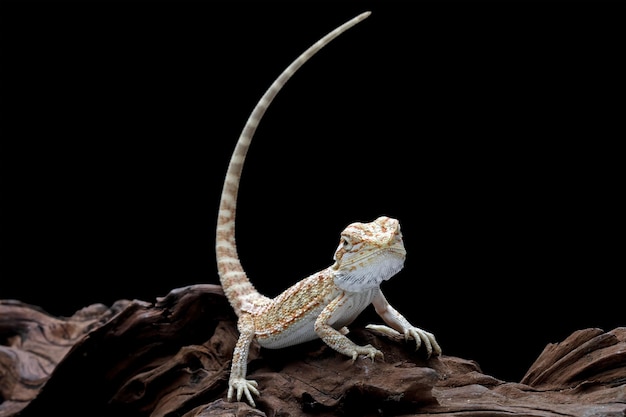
{"type": "Point", "coordinates": [322, 305]}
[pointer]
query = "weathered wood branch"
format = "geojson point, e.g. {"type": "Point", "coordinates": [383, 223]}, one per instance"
{"type": "Point", "coordinates": [171, 358]}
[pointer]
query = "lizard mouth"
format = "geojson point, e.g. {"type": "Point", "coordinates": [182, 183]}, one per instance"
{"type": "Point", "coordinates": [390, 252]}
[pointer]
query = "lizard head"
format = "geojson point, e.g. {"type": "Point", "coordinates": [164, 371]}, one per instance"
{"type": "Point", "coordinates": [368, 254]}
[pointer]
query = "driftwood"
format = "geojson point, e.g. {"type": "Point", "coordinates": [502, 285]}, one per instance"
{"type": "Point", "coordinates": [171, 358]}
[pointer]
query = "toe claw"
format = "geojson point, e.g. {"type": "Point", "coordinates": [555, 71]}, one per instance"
{"type": "Point", "coordinates": [242, 387]}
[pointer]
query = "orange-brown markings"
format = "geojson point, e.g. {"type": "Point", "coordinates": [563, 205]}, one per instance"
{"type": "Point", "coordinates": [225, 218]}
{"type": "Point", "coordinates": [237, 161]}
{"type": "Point", "coordinates": [226, 251]}
{"type": "Point", "coordinates": [230, 188]}
{"type": "Point", "coordinates": [237, 279]}
{"type": "Point", "coordinates": [224, 235]}
{"type": "Point", "coordinates": [290, 306]}
{"type": "Point", "coordinates": [229, 264]}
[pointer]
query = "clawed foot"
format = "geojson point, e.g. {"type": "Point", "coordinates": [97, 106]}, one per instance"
{"type": "Point", "coordinates": [412, 333]}
{"type": "Point", "coordinates": [368, 351]}
{"type": "Point", "coordinates": [243, 387]}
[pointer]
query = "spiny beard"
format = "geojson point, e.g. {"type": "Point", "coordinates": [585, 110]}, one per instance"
{"type": "Point", "coordinates": [369, 276]}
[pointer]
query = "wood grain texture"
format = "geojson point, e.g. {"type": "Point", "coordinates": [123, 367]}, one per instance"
{"type": "Point", "coordinates": [171, 357]}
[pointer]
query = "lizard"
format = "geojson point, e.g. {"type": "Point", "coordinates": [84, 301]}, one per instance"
{"type": "Point", "coordinates": [325, 303]}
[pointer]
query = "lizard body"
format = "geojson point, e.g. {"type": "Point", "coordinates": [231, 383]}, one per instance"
{"type": "Point", "coordinates": [321, 305]}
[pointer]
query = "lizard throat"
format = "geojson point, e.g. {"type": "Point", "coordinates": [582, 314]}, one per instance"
{"type": "Point", "coordinates": [368, 272]}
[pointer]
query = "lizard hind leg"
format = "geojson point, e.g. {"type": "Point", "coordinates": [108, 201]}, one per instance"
{"type": "Point", "coordinates": [238, 385]}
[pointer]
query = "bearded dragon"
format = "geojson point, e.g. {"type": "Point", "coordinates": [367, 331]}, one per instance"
{"type": "Point", "coordinates": [322, 305]}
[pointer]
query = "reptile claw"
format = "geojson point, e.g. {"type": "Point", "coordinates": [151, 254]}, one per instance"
{"type": "Point", "coordinates": [243, 387]}
{"type": "Point", "coordinates": [428, 339]}
{"type": "Point", "coordinates": [368, 351]}
{"type": "Point", "coordinates": [412, 333]}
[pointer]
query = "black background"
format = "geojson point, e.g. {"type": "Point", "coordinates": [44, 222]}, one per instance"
{"type": "Point", "coordinates": [492, 131]}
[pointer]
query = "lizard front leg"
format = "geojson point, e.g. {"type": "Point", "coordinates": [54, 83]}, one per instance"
{"type": "Point", "coordinates": [238, 382]}
{"type": "Point", "coordinates": [336, 339]}
{"type": "Point", "coordinates": [399, 324]}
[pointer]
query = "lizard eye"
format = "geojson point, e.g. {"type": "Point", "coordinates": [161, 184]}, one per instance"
{"type": "Point", "coordinates": [345, 243]}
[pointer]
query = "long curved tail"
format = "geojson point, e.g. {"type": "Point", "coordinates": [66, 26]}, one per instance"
{"type": "Point", "coordinates": [239, 290]}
